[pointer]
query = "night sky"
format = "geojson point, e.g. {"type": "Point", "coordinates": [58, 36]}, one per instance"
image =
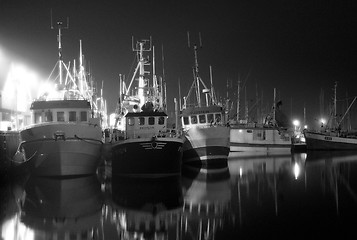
{"type": "Point", "coordinates": [297, 47]}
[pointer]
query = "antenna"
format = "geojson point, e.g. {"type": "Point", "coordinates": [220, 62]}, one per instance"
{"type": "Point", "coordinates": [51, 20]}
{"type": "Point", "coordinates": [59, 40]}
{"type": "Point", "coordinates": [200, 39]}
{"type": "Point", "coordinates": [188, 39]}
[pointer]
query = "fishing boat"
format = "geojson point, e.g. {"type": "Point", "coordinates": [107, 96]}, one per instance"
{"type": "Point", "coordinates": [65, 137]}
{"type": "Point", "coordinates": [270, 136]}
{"type": "Point", "coordinates": [204, 126]}
{"type": "Point", "coordinates": [145, 146]}
{"type": "Point", "coordinates": [332, 136]}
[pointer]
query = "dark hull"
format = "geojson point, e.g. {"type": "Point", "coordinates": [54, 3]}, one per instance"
{"type": "Point", "coordinates": [317, 141]}
{"type": "Point", "coordinates": [147, 158]}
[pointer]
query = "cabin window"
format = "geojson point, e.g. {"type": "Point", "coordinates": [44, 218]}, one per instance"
{"type": "Point", "coordinates": [38, 117]}
{"type": "Point", "coordinates": [185, 121]}
{"type": "Point", "coordinates": [259, 135]}
{"type": "Point", "coordinates": [131, 121]}
{"type": "Point", "coordinates": [141, 120]}
{"type": "Point", "coordinates": [210, 118]}
{"type": "Point", "coordinates": [202, 118]}
{"type": "Point", "coordinates": [161, 120]}
{"type": "Point", "coordinates": [60, 116]}
{"type": "Point", "coordinates": [84, 116]}
{"type": "Point", "coordinates": [72, 116]}
{"type": "Point", "coordinates": [193, 119]}
{"type": "Point", "coordinates": [218, 117]}
{"type": "Point", "coordinates": [48, 116]}
{"type": "Point", "coordinates": [151, 120]}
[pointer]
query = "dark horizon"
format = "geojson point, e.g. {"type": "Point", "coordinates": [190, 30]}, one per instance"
{"type": "Point", "coordinates": [298, 48]}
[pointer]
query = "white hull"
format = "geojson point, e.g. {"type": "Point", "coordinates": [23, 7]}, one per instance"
{"type": "Point", "coordinates": [206, 142]}
{"type": "Point", "coordinates": [60, 149]}
{"type": "Point", "coordinates": [259, 139]}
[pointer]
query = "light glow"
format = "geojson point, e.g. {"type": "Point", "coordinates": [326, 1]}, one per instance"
{"type": "Point", "coordinates": [296, 123]}
{"type": "Point", "coordinates": [17, 92]}
{"type": "Point", "coordinates": [14, 229]}
{"type": "Point", "coordinates": [296, 170]}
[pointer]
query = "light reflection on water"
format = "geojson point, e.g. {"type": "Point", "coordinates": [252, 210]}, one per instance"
{"type": "Point", "coordinates": [276, 196]}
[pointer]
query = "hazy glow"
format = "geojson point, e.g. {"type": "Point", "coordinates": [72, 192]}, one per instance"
{"type": "Point", "coordinates": [47, 88]}
{"type": "Point", "coordinates": [112, 119]}
{"type": "Point", "coordinates": [296, 170]}
{"type": "Point", "coordinates": [323, 121]}
{"type": "Point", "coordinates": [296, 123]}
{"type": "Point", "coordinates": [14, 229]}
{"type": "Point", "coordinates": [17, 92]}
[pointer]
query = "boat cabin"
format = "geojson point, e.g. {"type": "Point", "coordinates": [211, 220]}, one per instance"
{"type": "Point", "coordinates": [60, 111]}
{"type": "Point", "coordinates": [202, 116]}
{"type": "Point", "coordinates": [145, 124]}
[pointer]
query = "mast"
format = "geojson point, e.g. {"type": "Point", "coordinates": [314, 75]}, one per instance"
{"type": "Point", "coordinates": [274, 106]}
{"type": "Point", "coordinates": [212, 88]}
{"type": "Point", "coordinates": [196, 78]}
{"type": "Point", "coordinates": [335, 104]}
{"type": "Point", "coordinates": [179, 89]}
{"type": "Point", "coordinates": [59, 40]}
{"type": "Point", "coordinates": [238, 99]}
{"type": "Point", "coordinates": [246, 116]}
{"type": "Point", "coordinates": [164, 98]}
{"type": "Point", "coordinates": [198, 91]}
{"type": "Point", "coordinates": [140, 48]}
{"type": "Point", "coordinates": [256, 97]}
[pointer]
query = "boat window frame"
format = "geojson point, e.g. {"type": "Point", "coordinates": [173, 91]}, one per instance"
{"type": "Point", "coordinates": [38, 117]}
{"type": "Point", "coordinates": [84, 116]}
{"type": "Point", "coordinates": [131, 121]}
{"type": "Point", "coordinates": [141, 121]}
{"type": "Point", "coordinates": [48, 116]}
{"type": "Point", "coordinates": [218, 117]}
{"type": "Point", "coordinates": [185, 120]}
{"type": "Point", "coordinates": [70, 118]}
{"type": "Point", "coordinates": [193, 119]}
{"type": "Point", "coordinates": [161, 120]}
{"type": "Point", "coordinates": [151, 120]}
{"type": "Point", "coordinates": [202, 120]}
{"type": "Point", "coordinates": [60, 116]}
{"type": "Point", "coordinates": [210, 118]}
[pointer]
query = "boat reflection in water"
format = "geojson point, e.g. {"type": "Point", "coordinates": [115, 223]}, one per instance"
{"type": "Point", "coordinates": [301, 195]}
{"type": "Point", "coordinates": [52, 208]}
{"type": "Point", "coordinates": [257, 180]}
{"type": "Point", "coordinates": [144, 208]}
{"type": "Point", "coordinates": [277, 194]}
{"type": "Point", "coordinates": [335, 173]}
{"type": "Point", "coordinates": [207, 198]}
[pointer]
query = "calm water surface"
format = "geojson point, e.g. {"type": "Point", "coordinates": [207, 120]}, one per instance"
{"type": "Point", "coordinates": [307, 195]}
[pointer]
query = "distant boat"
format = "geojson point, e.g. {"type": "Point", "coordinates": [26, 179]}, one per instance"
{"type": "Point", "coordinates": [261, 137]}
{"type": "Point", "coordinates": [204, 126]}
{"type": "Point", "coordinates": [332, 137]}
{"type": "Point", "coordinates": [65, 137]}
{"type": "Point", "coordinates": [142, 145]}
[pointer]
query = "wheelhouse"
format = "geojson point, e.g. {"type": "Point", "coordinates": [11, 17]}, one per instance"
{"type": "Point", "coordinates": [145, 124]}
{"type": "Point", "coordinates": [60, 111]}
{"type": "Point", "coordinates": [202, 116]}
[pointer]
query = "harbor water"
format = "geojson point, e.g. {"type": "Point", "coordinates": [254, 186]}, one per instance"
{"type": "Point", "coordinates": [276, 196]}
